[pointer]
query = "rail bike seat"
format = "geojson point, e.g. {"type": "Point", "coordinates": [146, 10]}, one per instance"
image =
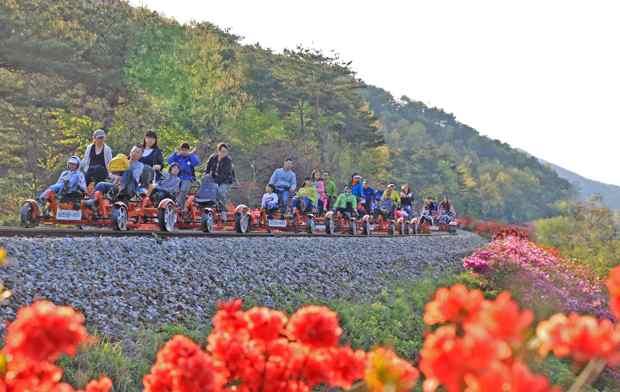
{"type": "Point", "coordinates": [205, 202]}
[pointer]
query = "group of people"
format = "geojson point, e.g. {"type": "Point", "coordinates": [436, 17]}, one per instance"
{"type": "Point", "coordinates": [318, 194]}
{"type": "Point", "coordinates": [142, 171]}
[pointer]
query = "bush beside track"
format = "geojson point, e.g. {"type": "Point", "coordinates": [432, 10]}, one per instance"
{"type": "Point", "coordinates": [125, 283]}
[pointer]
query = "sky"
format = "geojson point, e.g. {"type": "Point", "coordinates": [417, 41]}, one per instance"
{"type": "Point", "coordinates": [543, 76]}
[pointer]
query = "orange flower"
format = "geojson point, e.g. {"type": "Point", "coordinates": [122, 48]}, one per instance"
{"type": "Point", "coordinates": [26, 375]}
{"type": "Point", "coordinates": [182, 366]}
{"type": "Point", "coordinates": [229, 316]}
{"type": "Point", "coordinates": [503, 319]}
{"type": "Point", "coordinates": [613, 285]}
{"type": "Point", "coordinates": [44, 331]}
{"type": "Point", "coordinates": [512, 378]}
{"type": "Point", "coordinates": [265, 324]}
{"type": "Point", "coordinates": [3, 258]}
{"type": "Point", "coordinates": [447, 358]}
{"type": "Point", "coordinates": [581, 337]}
{"type": "Point", "coordinates": [387, 372]}
{"type": "Point", "coordinates": [315, 326]}
{"type": "Point", "coordinates": [455, 304]}
{"type": "Point", "coordinates": [347, 366]}
{"type": "Point", "coordinates": [104, 384]}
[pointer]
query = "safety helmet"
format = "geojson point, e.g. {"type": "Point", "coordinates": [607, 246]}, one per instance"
{"type": "Point", "coordinates": [119, 163]}
{"type": "Point", "coordinates": [75, 160]}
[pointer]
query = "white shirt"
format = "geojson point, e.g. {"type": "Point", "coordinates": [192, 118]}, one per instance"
{"type": "Point", "coordinates": [269, 198]}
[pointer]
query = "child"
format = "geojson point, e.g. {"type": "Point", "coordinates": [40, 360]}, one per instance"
{"type": "Point", "coordinates": [389, 202]}
{"type": "Point", "coordinates": [368, 196]}
{"type": "Point", "coordinates": [169, 185]}
{"type": "Point", "coordinates": [269, 202]}
{"type": "Point", "coordinates": [446, 211]}
{"type": "Point", "coordinates": [319, 184]}
{"type": "Point", "coordinates": [187, 160]}
{"type": "Point", "coordinates": [406, 199]}
{"type": "Point", "coordinates": [306, 198]}
{"type": "Point", "coordinates": [356, 185]}
{"type": "Point", "coordinates": [346, 202]}
{"type": "Point", "coordinates": [70, 181]}
{"type": "Point", "coordinates": [428, 211]}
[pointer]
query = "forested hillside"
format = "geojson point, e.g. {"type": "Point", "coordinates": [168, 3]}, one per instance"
{"type": "Point", "coordinates": [586, 188]}
{"type": "Point", "coordinates": [69, 66]}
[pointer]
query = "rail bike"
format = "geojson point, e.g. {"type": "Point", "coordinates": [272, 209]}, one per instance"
{"type": "Point", "coordinates": [154, 211]}
{"type": "Point", "coordinates": [95, 209]}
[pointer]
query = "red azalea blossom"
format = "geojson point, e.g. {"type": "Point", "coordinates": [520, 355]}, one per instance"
{"type": "Point", "coordinates": [182, 366]}
{"type": "Point", "coordinates": [448, 359]}
{"type": "Point", "coordinates": [315, 326]}
{"type": "Point", "coordinates": [44, 332]}
{"type": "Point", "coordinates": [511, 378]}
{"type": "Point", "coordinates": [265, 324]}
{"type": "Point", "coordinates": [582, 337]}
{"type": "Point", "coordinates": [229, 316]}
{"type": "Point", "coordinates": [347, 366]}
{"type": "Point", "coordinates": [26, 375]}
{"type": "Point", "coordinates": [104, 384]}
{"type": "Point", "coordinates": [503, 319]}
{"type": "Point", "coordinates": [454, 304]}
{"type": "Point", "coordinates": [613, 285]}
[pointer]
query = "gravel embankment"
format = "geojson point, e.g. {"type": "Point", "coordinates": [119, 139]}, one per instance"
{"type": "Point", "coordinates": [123, 283]}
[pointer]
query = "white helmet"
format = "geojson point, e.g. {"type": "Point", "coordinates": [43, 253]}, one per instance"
{"type": "Point", "coordinates": [74, 159]}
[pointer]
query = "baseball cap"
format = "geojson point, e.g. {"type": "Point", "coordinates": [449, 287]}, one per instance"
{"type": "Point", "coordinates": [75, 160]}
{"type": "Point", "coordinates": [99, 134]}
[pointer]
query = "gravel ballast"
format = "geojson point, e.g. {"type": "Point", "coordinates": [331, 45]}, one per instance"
{"type": "Point", "coordinates": [123, 283]}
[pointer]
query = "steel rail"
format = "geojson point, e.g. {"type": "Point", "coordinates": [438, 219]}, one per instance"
{"type": "Point", "coordinates": [7, 231]}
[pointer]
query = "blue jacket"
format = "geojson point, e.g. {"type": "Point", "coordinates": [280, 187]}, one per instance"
{"type": "Point", "coordinates": [368, 194]}
{"type": "Point", "coordinates": [357, 190]}
{"type": "Point", "coordinates": [283, 179]}
{"type": "Point", "coordinates": [187, 164]}
{"type": "Point", "coordinates": [75, 179]}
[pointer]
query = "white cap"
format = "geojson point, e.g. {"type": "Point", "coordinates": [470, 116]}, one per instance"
{"type": "Point", "coordinates": [74, 159]}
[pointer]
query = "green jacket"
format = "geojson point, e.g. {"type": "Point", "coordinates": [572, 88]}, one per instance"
{"type": "Point", "coordinates": [330, 188]}
{"type": "Point", "coordinates": [344, 198]}
{"type": "Point", "coordinates": [309, 192]}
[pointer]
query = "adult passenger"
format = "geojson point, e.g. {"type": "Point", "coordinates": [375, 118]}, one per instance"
{"type": "Point", "coordinates": [220, 168]}
{"type": "Point", "coordinates": [152, 155]}
{"type": "Point", "coordinates": [285, 182]}
{"type": "Point", "coordinates": [97, 157]}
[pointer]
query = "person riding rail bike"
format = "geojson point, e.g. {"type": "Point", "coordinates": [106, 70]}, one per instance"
{"type": "Point", "coordinates": [269, 201]}
{"type": "Point", "coordinates": [168, 186]}
{"type": "Point", "coordinates": [346, 203]}
{"type": "Point", "coordinates": [97, 157]}
{"type": "Point", "coordinates": [446, 212]}
{"type": "Point", "coordinates": [306, 198]}
{"type": "Point", "coordinates": [187, 161]}
{"type": "Point", "coordinates": [70, 181]}
{"type": "Point", "coordinates": [220, 167]}
{"type": "Point", "coordinates": [390, 201]}
{"type": "Point", "coordinates": [127, 178]}
{"type": "Point", "coordinates": [285, 182]}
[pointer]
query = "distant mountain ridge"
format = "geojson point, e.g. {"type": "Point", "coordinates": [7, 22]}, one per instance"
{"type": "Point", "coordinates": [586, 188]}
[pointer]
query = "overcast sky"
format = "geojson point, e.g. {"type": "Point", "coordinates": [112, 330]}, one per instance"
{"type": "Point", "coordinates": [541, 75]}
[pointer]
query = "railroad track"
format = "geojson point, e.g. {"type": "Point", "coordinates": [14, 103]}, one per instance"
{"type": "Point", "coordinates": [7, 231]}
